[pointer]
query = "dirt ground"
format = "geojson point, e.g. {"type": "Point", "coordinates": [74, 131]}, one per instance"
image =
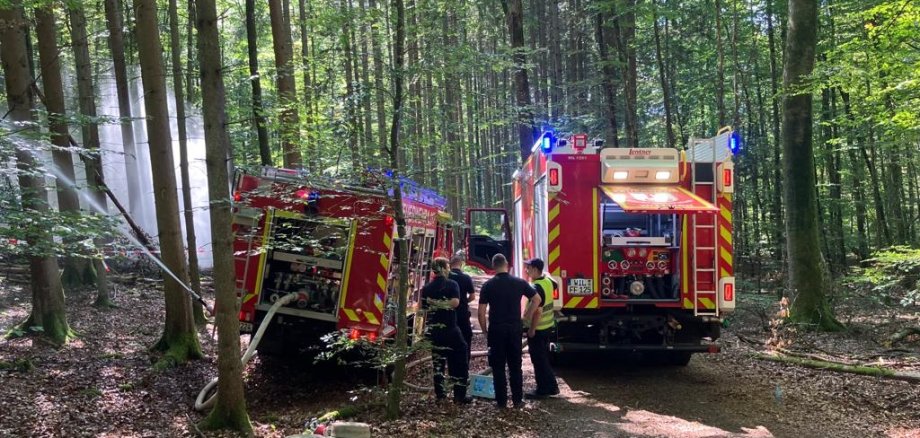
{"type": "Point", "coordinates": [102, 384]}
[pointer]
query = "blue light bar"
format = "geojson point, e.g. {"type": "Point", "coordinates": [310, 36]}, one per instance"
{"type": "Point", "coordinates": [734, 143]}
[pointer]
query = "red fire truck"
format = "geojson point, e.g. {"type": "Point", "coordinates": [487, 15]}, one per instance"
{"type": "Point", "coordinates": [332, 244]}
{"type": "Point", "coordinates": [639, 239]}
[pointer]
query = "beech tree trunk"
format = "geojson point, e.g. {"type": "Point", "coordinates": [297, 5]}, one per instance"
{"type": "Point", "coordinates": [806, 271]}
{"type": "Point", "coordinates": [180, 339]}
{"type": "Point", "coordinates": [604, 37]}
{"type": "Point", "coordinates": [188, 212]}
{"type": "Point", "coordinates": [94, 272]}
{"type": "Point", "coordinates": [230, 408]}
{"type": "Point", "coordinates": [307, 83]}
{"type": "Point", "coordinates": [114, 24]}
{"type": "Point", "coordinates": [48, 318]}
{"type": "Point", "coordinates": [287, 91]}
{"type": "Point", "coordinates": [50, 65]}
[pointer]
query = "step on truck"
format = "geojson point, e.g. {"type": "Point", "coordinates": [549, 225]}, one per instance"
{"type": "Point", "coordinates": [639, 240]}
{"type": "Point", "coordinates": [332, 243]}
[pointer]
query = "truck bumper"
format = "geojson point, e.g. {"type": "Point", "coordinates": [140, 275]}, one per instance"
{"type": "Point", "coordinates": [574, 347]}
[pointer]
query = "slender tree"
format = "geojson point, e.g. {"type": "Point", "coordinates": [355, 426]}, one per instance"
{"type": "Point", "coordinates": [805, 263]}
{"type": "Point", "coordinates": [287, 91]}
{"type": "Point", "coordinates": [57, 119]}
{"type": "Point", "coordinates": [114, 24]}
{"type": "Point", "coordinates": [514, 17]}
{"type": "Point", "coordinates": [402, 326]}
{"type": "Point", "coordinates": [181, 126]}
{"type": "Point", "coordinates": [179, 340]}
{"type": "Point", "coordinates": [255, 79]}
{"type": "Point", "coordinates": [95, 272]}
{"type": "Point", "coordinates": [230, 408]}
{"type": "Point", "coordinates": [47, 318]}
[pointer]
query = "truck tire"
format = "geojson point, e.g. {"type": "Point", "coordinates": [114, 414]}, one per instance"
{"type": "Point", "coordinates": [678, 358]}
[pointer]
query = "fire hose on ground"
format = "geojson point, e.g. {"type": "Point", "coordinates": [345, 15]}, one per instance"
{"type": "Point", "coordinates": [201, 403]}
{"type": "Point", "coordinates": [473, 354]}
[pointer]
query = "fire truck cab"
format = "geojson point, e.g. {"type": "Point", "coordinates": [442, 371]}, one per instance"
{"type": "Point", "coordinates": [639, 240]}
{"type": "Point", "coordinates": [332, 243]}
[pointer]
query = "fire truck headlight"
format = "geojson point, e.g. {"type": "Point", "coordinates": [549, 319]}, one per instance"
{"type": "Point", "coordinates": [620, 174]}
{"type": "Point", "coordinates": [662, 175]}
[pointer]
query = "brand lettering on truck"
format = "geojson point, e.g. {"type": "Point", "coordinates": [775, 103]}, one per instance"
{"type": "Point", "coordinates": [642, 152]}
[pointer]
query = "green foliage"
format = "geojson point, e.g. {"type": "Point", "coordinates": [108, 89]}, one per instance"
{"type": "Point", "coordinates": [22, 365]}
{"type": "Point", "coordinates": [894, 274]}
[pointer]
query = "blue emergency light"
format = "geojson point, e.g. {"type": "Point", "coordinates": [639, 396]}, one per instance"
{"type": "Point", "coordinates": [734, 143]}
{"type": "Point", "coordinates": [547, 141]}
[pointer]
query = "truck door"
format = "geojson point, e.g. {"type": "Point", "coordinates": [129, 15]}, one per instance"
{"type": "Point", "coordinates": [487, 234]}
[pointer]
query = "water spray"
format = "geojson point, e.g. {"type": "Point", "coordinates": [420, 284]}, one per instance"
{"type": "Point", "coordinates": [138, 239]}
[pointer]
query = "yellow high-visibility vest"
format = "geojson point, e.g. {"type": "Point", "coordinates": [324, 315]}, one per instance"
{"type": "Point", "coordinates": [547, 319]}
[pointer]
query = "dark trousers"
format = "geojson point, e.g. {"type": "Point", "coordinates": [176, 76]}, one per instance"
{"type": "Point", "coordinates": [505, 349]}
{"type": "Point", "coordinates": [538, 347]}
{"type": "Point", "coordinates": [450, 350]}
{"type": "Point", "coordinates": [466, 329]}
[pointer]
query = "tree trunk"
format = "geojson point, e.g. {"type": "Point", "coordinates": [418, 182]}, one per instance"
{"type": "Point", "coordinates": [627, 47]}
{"type": "Point", "coordinates": [514, 15]}
{"type": "Point", "coordinates": [48, 313]}
{"type": "Point", "coordinates": [604, 37]}
{"type": "Point", "coordinates": [720, 70]}
{"type": "Point", "coordinates": [50, 64]}
{"type": "Point", "coordinates": [287, 91]}
{"type": "Point", "coordinates": [307, 83]}
{"type": "Point", "coordinates": [402, 326]}
{"type": "Point", "coordinates": [777, 205]}
{"type": "Point", "coordinates": [258, 113]}
{"type": "Point", "coordinates": [378, 84]}
{"type": "Point", "coordinates": [188, 213]}
{"type": "Point", "coordinates": [179, 340]}
{"type": "Point", "coordinates": [351, 105]}
{"type": "Point", "coordinates": [230, 409]}
{"type": "Point", "coordinates": [806, 273]}
{"type": "Point", "coordinates": [665, 90]}
{"type": "Point", "coordinates": [93, 273]}
{"type": "Point", "coordinates": [190, 75]}
{"type": "Point", "coordinates": [114, 23]}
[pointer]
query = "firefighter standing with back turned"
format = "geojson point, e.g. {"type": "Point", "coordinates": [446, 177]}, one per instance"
{"type": "Point", "coordinates": [540, 325]}
{"type": "Point", "coordinates": [441, 298]}
{"type": "Point", "coordinates": [500, 299]}
{"type": "Point", "coordinates": [467, 294]}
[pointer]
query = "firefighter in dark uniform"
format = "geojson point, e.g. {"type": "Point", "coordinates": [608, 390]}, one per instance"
{"type": "Point", "coordinates": [467, 295]}
{"type": "Point", "coordinates": [540, 327]}
{"type": "Point", "coordinates": [441, 298]}
{"type": "Point", "coordinates": [500, 319]}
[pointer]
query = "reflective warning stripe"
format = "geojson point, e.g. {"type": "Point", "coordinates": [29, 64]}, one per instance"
{"type": "Point", "coordinates": [706, 303]}
{"type": "Point", "coordinates": [351, 314]}
{"type": "Point", "coordinates": [726, 249]}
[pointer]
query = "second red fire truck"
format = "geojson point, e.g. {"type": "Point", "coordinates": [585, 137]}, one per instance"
{"type": "Point", "coordinates": [639, 239]}
{"type": "Point", "coordinates": [332, 244]}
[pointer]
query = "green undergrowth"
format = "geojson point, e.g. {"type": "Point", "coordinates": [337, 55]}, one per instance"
{"type": "Point", "coordinates": [892, 275]}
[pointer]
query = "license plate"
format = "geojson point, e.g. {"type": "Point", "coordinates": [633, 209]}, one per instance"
{"type": "Point", "coordinates": [580, 286]}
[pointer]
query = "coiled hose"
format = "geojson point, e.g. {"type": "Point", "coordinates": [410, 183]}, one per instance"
{"type": "Point", "coordinates": [200, 402]}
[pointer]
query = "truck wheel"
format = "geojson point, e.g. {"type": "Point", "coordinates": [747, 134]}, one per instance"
{"type": "Point", "coordinates": [678, 358]}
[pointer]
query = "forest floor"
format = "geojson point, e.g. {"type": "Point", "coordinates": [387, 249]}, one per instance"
{"type": "Point", "coordinates": [102, 383]}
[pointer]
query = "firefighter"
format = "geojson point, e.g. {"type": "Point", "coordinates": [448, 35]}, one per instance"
{"type": "Point", "coordinates": [540, 325]}
{"type": "Point", "coordinates": [500, 319]}
{"type": "Point", "coordinates": [467, 295]}
{"type": "Point", "coordinates": [440, 298]}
